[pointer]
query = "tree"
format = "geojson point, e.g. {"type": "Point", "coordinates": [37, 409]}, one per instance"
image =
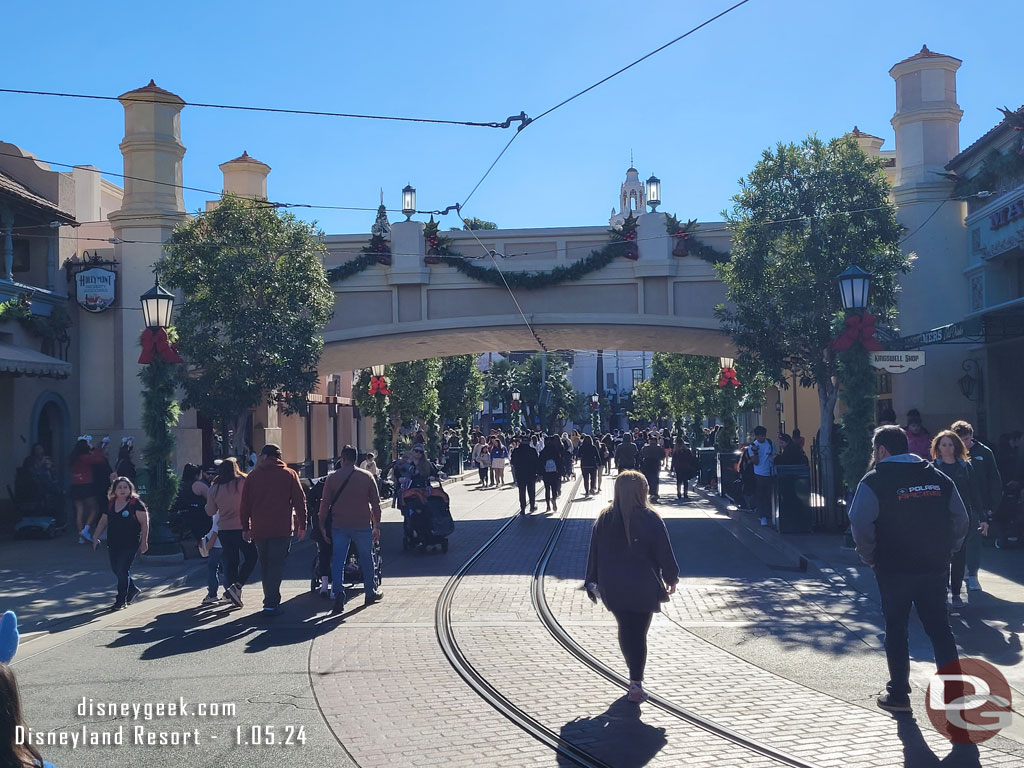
{"type": "Point", "coordinates": [475, 223]}
{"type": "Point", "coordinates": [500, 381]}
{"type": "Point", "coordinates": [561, 397]}
{"type": "Point", "coordinates": [803, 215]}
{"type": "Point", "coordinates": [646, 403]}
{"type": "Point", "coordinates": [376, 407]}
{"type": "Point", "coordinates": [256, 300]}
{"type": "Point", "coordinates": [414, 401]}
{"type": "Point", "coordinates": [460, 389]}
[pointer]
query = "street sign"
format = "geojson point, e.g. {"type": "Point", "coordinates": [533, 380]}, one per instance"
{"type": "Point", "coordinates": [897, 362]}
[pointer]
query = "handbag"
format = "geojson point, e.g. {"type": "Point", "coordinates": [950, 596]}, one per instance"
{"type": "Point", "coordinates": [663, 596]}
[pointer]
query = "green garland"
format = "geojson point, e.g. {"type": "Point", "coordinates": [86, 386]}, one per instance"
{"type": "Point", "coordinates": [597, 260]}
{"type": "Point", "coordinates": [160, 414]}
{"type": "Point", "coordinates": [52, 328]}
{"type": "Point", "coordinates": [857, 392]}
{"type": "Point", "coordinates": [686, 245]}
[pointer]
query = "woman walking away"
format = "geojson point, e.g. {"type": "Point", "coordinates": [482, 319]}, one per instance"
{"type": "Point", "coordinates": [552, 469]}
{"type": "Point", "coordinates": [128, 521]}
{"type": "Point", "coordinates": [83, 459]}
{"type": "Point", "coordinates": [684, 466]}
{"type": "Point", "coordinates": [223, 501]}
{"type": "Point", "coordinates": [590, 460]}
{"type": "Point", "coordinates": [632, 569]}
{"type": "Point", "coordinates": [949, 456]}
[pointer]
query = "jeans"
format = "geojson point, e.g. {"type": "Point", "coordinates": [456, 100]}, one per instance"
{"type": "Point", "coordinates": [484, 471]}
{"type": "Point", "coordinates": [589, 479]}
{"type": "Point", "coordinates": [121, 559]}
{"type": "Point", "coordinates": [763, 495]}
{"type": "Point", "coordinates": [682, 486]}
{"type": "Point", "coordinates": [926, 592]}
{"type": "Point", "coordinates": [527, 487]}
{"type": "Point", "coordinates": [552, 487]}
{"type": "Point", "coordinates": [653, 477]}
{"type": "Point", "coordinates": [363, 538]}
{"type": "Point", "coordinates": [215, 571]}
{"type": "Point", "coordinates": [633, 626]}
{"type": "Point", "coordinates": [273, 551]}
{"type": "Point", "coordinates": [972, 546]}
{"type": "Point", "coordinates": [234, 547]}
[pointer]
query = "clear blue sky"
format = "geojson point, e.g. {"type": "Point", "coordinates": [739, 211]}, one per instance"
{"type": "Point", "coordinates": [698, 114]}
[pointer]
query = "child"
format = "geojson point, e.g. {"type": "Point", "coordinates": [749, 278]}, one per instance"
{"type": "Point", "coordinates": [210, 547]}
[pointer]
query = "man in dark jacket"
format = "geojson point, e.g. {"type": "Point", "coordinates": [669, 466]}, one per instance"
{"type": "Point", "coordinates": [626, 454]}
{"type": "Point", "coordinates": [990, 487]}
{"type": "Point", "coordinates": [907, 520]}
{"type": "Point", "coordinates": [651, 456]}
{"type": "Point", "coordinates": [525, 468]}
{"type": "Point", "coordinates": [272, 506]}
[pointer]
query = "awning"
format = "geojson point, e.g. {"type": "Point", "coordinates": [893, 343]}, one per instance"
{"type": "Point", "coordinates": [21, 361]}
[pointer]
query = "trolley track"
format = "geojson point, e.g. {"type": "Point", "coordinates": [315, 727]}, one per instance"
{"type": "Point", "coordinates": [486, 690]}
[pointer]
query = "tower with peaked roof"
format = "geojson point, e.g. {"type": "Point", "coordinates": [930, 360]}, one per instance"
{"type": "Point", "coordinates": [632, 198]}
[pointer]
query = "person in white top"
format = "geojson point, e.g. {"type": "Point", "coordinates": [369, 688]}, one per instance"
{"type": "Point", "coordinates": [370, 464]}
{"type": "Point", "coordinates": [482, 458]}
{"type": "Point", "coordinates": [211, 548]}
{"type": "Point", "coordinates": [762, 454]}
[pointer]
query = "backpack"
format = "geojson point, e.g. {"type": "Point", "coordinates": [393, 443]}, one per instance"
{"type": "Point", "coordinates": [550, 466]}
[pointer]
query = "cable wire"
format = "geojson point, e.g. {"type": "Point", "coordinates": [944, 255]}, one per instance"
{"type": "Point", "coordinates": [275, 110]}
{"type": "Point", "coordinates": [642, 58]}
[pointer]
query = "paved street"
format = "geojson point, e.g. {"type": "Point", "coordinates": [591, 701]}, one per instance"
{"type": "Point", "coordinates": [789, 659]}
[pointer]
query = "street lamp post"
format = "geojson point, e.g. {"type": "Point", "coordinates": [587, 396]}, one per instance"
{"type": "Point", "coordinates": [160, 412]}
{"type": "Point", "coordinates": [515, 417]}
{"type": "Point", "coordinates": [409, 201]}
{"type": "Point", "coordinates": [654, 193]}
{"type": "Point", "coordinates": [595, 414]}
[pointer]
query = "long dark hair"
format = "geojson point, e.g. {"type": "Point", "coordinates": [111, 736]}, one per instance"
{"type": "Point", "coordinates": [13, 755]}
{"type": "Point", "coordinates": [81, 448]}
{"type": "Point", "coordinates": [189, 474]}
{"type": "Point", "coordinates": [228, 471]}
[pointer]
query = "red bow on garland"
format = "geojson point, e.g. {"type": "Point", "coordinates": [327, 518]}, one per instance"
{"type": "Point", "coordinates": [379, 386]}
{"type": "Point", "coordinates": [154, 342]}
{"type": "Point", "coordinates": [728, 377]}
{"type": "Point", "coordinates": [858, 328]}
{"type": "Point", "coordinates": [515, 405]}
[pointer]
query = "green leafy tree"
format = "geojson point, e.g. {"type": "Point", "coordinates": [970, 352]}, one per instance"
{"type": "Point", "coordinates": [647, 403]}
{"type": "Point", "coordinates": [414, 401]}
{"type": "Point", "coordinates": [561, 395]}
{"type": "Point", "coordinates": [500, 381]}
{"type": "Point", "coordinates": [460, 389]}
{"type": "Point", "coordinates": [256, 300]}
{"type": "Point", "coordinates": [803, 215]}
{"type": "Point", "coordinates": [475, 223]}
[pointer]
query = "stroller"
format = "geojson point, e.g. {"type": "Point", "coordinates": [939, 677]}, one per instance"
{"type": "Point", "coordinates": [427, 518]}
{"type": "Point", "coordinates": [38, 506]}
{"type": "Point", "coordinates": [321, 565]}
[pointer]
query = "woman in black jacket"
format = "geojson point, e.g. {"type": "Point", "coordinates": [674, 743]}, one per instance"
{"type": "Point", "coordinates": [552, 468]}
{"type": "Point", "coordinates": [949, 456]}
{"type": "Point", "coordinates": [633, 569]}
{"type": "Point", "coordinates": [590, 460]}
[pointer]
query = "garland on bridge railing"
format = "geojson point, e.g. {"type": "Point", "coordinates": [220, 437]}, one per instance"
{"type": "Point", "coordinates": [622, 243]}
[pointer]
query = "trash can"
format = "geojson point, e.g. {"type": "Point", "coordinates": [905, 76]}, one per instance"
{"type": "Point", "coordinates": [793, 485]}
{"type": "Point", "coordinates": [730, 483]}
{"type": "Point", "coordinates": [453, 461]}
{"type": "Point", "coordinates": [708, 466]}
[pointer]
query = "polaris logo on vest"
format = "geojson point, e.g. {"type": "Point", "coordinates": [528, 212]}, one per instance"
{"type": "Point", "coordinates": [918, 492]}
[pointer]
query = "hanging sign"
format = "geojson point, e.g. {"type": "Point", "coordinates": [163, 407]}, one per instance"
{"type": "Point", "coordinates": [897, 362]}
{"type": "Point", "coordinates": [95, 289]}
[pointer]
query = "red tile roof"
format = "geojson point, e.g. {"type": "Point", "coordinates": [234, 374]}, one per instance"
{"type": "Point", "coordinates": [11, 186]}
{"type": "Point", "coordinates": [925, 53]}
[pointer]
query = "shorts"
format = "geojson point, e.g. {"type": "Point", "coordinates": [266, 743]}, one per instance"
{"type": "Point", "coordinates": [497, 463]}
{"type": "Point", "coordinates": [82, 492]}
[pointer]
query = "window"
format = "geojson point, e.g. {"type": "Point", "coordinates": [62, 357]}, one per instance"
{"type": "Point", "coordinates": [883, 383]}
{"type": "Point", "coordinates": [21, 262]}
{"type": "Point", "coordinates": [610, 380]}
{"type": "Point", "coordinates": [638, 376]}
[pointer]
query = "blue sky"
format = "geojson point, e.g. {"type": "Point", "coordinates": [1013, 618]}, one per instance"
{"type": "Point", "coordinates": [697, 115]}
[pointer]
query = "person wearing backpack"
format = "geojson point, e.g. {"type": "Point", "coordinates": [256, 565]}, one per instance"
{"type": "Point", "coordinates": [762, 454]}
{"type": "Point", "coordinates": [552, 467]}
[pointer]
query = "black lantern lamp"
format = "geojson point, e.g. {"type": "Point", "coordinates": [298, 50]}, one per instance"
{"type": "Point", "coordinates": [409, 201]}
{"type": "Point", "coordinates": [377, 370]}
{"type": "Point", "coordinates": [157, 305]}
{"type": "Point", "coordinates": [654, 193]}
{"type": "Point", "coordinates": [853, 288]}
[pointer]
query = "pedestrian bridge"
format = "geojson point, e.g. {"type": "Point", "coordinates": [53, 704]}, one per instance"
{"type": "Point", "coordinates": [411, 310]}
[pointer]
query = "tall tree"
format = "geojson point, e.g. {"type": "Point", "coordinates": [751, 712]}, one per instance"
{"type": "Point", "coordinates": [803, 215]}
{"type": "Point", "coordinates": [414, 401]}
{"type": "Point", "coordinates": [256, 300]}
{"type": "Point", "coordinates": [460, 389]}
{"type": "Point", "coordinates": [561, 397]}
{"type": "Point", "coordinates": [476, 223]}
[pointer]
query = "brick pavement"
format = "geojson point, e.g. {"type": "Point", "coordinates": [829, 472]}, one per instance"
{"type": "Point", "coordinates": [731, 691]}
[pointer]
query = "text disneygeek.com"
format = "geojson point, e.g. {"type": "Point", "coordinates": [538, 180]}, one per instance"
{"type": "Point", "coordinates": [93, 734]}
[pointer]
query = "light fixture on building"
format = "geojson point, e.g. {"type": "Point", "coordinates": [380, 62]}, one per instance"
{"type": "Point", "coordinates": [726, 362]}
{"type": "Point", "coordinates": [778, 404]}
{"type": "Point", "coordinates": [595, 398]}
{"type": "Point", "coordinates": [853, 288]}
{"type": "Point", "coordinates": [377, 370]}
{"type": "Point", "coordinates": [654, 192]}
{"type": "Point", "coordinates": [969, 382]}
{"type": "Point", "coordinates": [409, 201]}
{"type": "Point", "coordinates": [515, 396]}
{"type": "Point", "coordinates": [157, 305]}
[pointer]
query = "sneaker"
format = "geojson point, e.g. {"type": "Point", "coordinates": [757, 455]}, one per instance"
{"type": "Point", "coordinates": [373, 597]}
{"type": "Point", "coordinates": [972, 584]}
{"type": "Point", "coordinates": [764, 521]}
{"type": "Point", "coordinates": [268, 611]}
{"type": "Point", "coordinates": [210, 600]}
{"type": "Point", "coordinates": [522, 511]}
{"type": "Point", "coordinates": [85, 534]}
{"type": "Point", "coordinates": [325, 592]}
{"type": "Point", "coordinates": [339, 603]}
{"type": "Point", "coordinates": [891, 703]}
{"type": "Point", "coordinates": [956, 602]}
{"type": "Point", "coordinates": [133, 593]}
{"type": "Point", "coordinates": [204, 550]}
{"type": "Point", "coordinates": [234, 594]}
{"type": "Point", "coordinates": [636, 694]}
{"type": "Point", "coordinates": [117, 606]}
{"type": "Point", "coordinates": [533, 507]}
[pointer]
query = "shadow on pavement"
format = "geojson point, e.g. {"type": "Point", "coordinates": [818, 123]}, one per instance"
{"type": "Point", "coordinates": [917, 753]}
{"type": "Point", "coordinates": [618, 736]}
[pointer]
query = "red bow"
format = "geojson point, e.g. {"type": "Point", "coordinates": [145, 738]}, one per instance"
{"type": "Point", "coordinates": [154, 342]}
{"type": "Point", "coordinates": [858, 328]}
{"type": "Point", "coordinates": [379, 386]}
{"type": "Point", "coordinates": [515, 405]}
{"type": "Point", "coordinates": [728, 377]}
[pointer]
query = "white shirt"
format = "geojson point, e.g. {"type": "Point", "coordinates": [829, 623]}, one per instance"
{"type": "Point", "coordinates": [765, 454]}
{"type": "Point", "coordinates": [214, 529]}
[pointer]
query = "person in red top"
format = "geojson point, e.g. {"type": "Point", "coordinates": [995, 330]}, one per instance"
{"type": "Point", "coordinates": [83, 462]}
{"type": "Point", "coordinates": [272, 506]}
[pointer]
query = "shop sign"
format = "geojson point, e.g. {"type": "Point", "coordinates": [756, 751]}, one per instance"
{"type": "Point", "coordinates": [95, 289]}
{"type": "Point", "coordinates": [1004, 216]}
{"type": "Point", "coordinates": [897, 362]}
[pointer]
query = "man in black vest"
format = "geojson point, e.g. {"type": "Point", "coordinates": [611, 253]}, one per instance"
{"type": "Point", "coordinates": [907, 520]}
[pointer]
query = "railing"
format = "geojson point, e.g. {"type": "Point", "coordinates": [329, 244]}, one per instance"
{"type": "Point", "coordinates": [819, 516]}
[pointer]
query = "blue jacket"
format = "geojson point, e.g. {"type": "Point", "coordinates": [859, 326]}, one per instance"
{"type": "Point", "coordinates": [629, 574]}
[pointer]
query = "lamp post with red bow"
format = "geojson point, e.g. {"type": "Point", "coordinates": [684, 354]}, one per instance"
{"type": "Point", "coordinates": [160, 413]}
{"type": "Point", "coordinates": [728, 401]}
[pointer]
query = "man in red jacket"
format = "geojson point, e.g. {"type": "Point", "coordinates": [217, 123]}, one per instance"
{"type": "Point", "coordinates": [272, 506]}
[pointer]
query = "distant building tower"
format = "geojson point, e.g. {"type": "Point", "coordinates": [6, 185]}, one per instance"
{"type": "Point", "coordinates": [632, 198]}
